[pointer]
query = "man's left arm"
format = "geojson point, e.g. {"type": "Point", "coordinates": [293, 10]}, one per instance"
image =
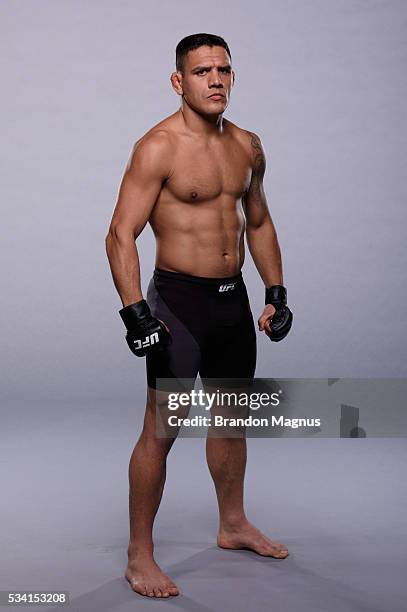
{"type": "Point", "coordinates": [263, 245]}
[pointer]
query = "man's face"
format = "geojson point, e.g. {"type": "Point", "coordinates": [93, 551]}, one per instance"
{"type": "Point", "coordinates": [208, 79]}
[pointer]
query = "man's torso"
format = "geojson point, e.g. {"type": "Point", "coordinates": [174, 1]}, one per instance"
{"type": "Point", "coordinates": [198, 219]}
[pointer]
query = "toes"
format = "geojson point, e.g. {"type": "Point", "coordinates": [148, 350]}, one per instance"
{"type": "Point", "coordinates": [272, 551]}
{"type": "Point", "coordinates": [282, 552]}
{"type": "Point", "coordinates": [141, 589]}
{"type": "Point", "coordinates": [138, 587]}
{"type": "Point", "coordinates": [277, 548]}
{"type": "Point", "coordinates": [158, 586]}
{"type": "Point", "coordinates": [165, 590]}
{"type": "Point", "coordinates": [172, 589]}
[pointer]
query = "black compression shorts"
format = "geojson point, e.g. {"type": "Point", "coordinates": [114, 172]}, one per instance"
{"type": "Point", "coordinates": [211, 326]}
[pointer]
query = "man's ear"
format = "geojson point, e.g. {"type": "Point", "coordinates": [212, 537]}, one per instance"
{"type": "Point", "coordinates": [176, 82]}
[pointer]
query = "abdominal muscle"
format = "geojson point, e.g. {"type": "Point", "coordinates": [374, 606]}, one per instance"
{"type": "Point", "coordinates": [201, 239]}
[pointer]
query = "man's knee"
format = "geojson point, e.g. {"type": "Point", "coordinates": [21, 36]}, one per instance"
{"type": "Point", "coordinates": [160, 413]}
{"type": "Point", "coordinates": [152, 445]}
{"type": "Point", "coordinates": [156, 435]}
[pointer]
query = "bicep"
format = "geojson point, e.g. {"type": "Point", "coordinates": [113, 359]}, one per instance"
{"type": "Point", "coordinates": [254, 200]}
{"type": "Point", "coordinates": [140, 186]}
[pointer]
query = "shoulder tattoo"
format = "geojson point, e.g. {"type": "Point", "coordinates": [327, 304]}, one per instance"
{"type": "Point", "coordinates": [259, 164]}
{"type": "Point", "coordinates": [259, 167]}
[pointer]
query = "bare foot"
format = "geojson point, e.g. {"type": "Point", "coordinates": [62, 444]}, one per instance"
{"type": "Point", "coordinates": [146, 578]}
{"type": "Point", "coordinates": [247, 535]}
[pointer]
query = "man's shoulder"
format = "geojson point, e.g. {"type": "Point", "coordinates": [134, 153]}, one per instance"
{"type": "Point", "coordinates": [158, 138]}
{"type": "Point", "coordinates": [154, 151]}
{"type": "Point", "coordinates": [156, 145]}
{"type": "Point", "coordinates": [249, 139]}
{"type": "Point", "coordinates": [162, 133]}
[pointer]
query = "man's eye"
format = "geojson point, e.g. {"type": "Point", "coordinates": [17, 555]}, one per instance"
{"type": "Point", "coordinates": [201, 72]}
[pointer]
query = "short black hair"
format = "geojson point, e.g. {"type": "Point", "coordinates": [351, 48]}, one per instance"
{"type": "Point", "coordinates": [193, 42]}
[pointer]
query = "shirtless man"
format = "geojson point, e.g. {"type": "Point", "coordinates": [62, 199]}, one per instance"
{"type": "Point", "coordinates": [198, 180]}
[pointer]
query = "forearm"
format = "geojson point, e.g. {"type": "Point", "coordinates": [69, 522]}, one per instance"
{"type": "Point", "coordinates": [264, 248]}
{"type": "Point", "coordinates": [124, 263]}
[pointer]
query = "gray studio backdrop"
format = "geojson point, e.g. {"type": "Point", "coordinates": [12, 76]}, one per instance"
{"type": "Point", "coordinates": [323, 83]}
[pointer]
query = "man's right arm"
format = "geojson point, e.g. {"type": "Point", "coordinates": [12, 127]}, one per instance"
{"type": "Point", "coordinates": [148, 167]}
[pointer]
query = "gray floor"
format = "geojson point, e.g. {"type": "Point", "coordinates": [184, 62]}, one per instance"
{"type": "Point", "coordinates": [339, 505]}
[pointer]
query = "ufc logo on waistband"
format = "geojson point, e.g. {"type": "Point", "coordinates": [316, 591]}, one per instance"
{"type": "Point", "coordinates": [152, 339]}
{"type": "Point", "coordinates": [227, 287]}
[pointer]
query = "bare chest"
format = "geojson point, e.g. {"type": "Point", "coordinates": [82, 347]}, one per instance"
{"type": "Point", "coordinates": [203, 173]}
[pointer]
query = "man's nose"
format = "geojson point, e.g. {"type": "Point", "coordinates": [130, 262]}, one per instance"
{"type": "Point", "coordinates": [214, 79]}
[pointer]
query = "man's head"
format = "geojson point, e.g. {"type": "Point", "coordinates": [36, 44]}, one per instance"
{"type": "Point", "coordinates": [194, 41]}
{"type": "Point", "coordinates": [204, 76]}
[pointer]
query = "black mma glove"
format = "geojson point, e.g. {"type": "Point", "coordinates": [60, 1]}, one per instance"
{"type": "Point", "coordinates": [144, 332]}
{"type": "Point", "coordinates": [283, 317]}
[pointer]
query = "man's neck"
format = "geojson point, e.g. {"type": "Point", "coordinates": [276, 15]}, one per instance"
{"type": "Point", "coordinates": [201, 125]}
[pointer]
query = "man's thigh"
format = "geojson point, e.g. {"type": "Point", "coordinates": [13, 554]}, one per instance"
{"type": "Point", "coordinates": [230, 349]}
{"type": "Point", "coordinates": [181, 359]}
